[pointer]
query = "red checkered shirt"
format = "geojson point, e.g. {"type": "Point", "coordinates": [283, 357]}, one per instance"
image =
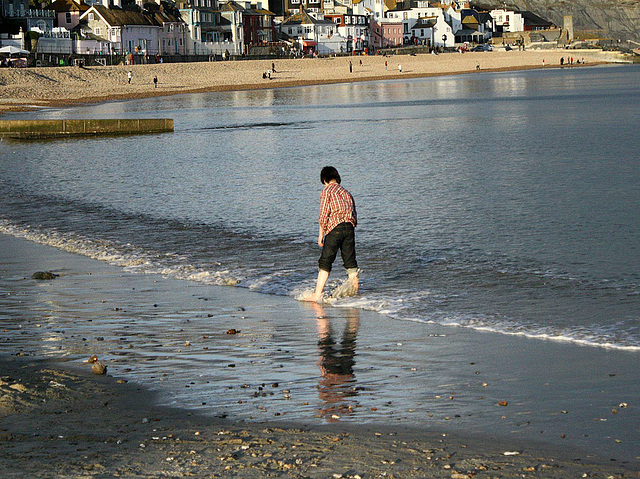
{"type": "Point", "coordinates": [336, 206]}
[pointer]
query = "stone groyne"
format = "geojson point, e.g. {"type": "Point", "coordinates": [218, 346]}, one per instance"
{"type": "Point", "coordinates": [44, 129]}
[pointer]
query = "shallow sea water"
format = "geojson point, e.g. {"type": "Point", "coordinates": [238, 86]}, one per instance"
{"type": "Point", "coordinates": [504, 203]}
{"type": "Point", "coordinates": [507, 202]}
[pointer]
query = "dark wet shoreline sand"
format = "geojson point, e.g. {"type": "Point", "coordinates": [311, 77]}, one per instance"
{"type": "Point", "coordinates": [67, 422]}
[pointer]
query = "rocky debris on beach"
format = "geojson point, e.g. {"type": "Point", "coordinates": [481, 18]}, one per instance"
{"type": "Point", "coordinates": [44, 275]}
{"type": "Point", "coordinates": [63, 431]}
{"type": "Point", "coordinates": [96, 366]}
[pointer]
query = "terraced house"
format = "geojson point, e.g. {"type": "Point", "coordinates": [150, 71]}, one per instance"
{"type": "Point", "coordinates": [155, 30]}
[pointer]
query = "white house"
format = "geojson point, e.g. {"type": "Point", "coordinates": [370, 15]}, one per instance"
{"type": "Point", "coordinates": [453, 18]}
{"type": "Point", "coordinates": [372, 8]}
{"type": "Point", "coordinates": [353, 28]}
{"type": "Point", "coordinates": [313, 34]}
{"type": "Point", "coordinates": [202, 18]}
{"type": "Point", "coordinates": [507, 20]}
{"type": "Point", "coordinates": [433, 31]}
{"type": "Point", "coordinates": [232, 26]}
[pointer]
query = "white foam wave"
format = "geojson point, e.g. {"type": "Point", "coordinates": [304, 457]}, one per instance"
{"type": "Point", "coordinates": [594, 338]}
{"type": "Point", "coordinates": [139, 260]}
{"type": "Point", "coordinates": [129, 257]}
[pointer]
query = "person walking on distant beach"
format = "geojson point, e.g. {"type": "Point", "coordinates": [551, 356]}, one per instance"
{"type": "Point", "coordinates": [386, 65]}
{"type": "Point", "coordinates": [155, 81]}
{"type": "Point", "coordinates": [129, 76]}
{"type": "Point", "coordinates": [338, 218]}
{"type": "Point", "coordinates": [350, 67]}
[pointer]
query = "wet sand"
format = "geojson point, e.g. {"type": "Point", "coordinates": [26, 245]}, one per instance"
{"type": "Point", "coordinates": [57, 419]}
{"type": "Point", "coordinates": [46, 87]}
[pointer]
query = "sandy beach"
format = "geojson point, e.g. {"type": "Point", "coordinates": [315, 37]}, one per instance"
{"type": "Point", "coordinates": [46, 87]}
{"type": "Point", "coordinates": [57, 419]}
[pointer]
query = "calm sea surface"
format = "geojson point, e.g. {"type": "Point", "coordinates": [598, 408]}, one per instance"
{"type": "Point", "coordinates": [508, 202]}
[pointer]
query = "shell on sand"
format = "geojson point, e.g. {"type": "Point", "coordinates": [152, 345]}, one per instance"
{"type": "Point", "coordinates": [96, 366]}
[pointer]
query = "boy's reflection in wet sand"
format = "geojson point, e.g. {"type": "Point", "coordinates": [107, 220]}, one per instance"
{"type": "Point", "coordinates": [337, 381]}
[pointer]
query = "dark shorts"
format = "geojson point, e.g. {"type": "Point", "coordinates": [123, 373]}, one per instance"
{"type": "Point", "coordinates": [342, 238]}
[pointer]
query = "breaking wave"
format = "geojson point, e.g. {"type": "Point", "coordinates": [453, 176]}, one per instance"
{"type": "Point", "coordinates": [400, 305]}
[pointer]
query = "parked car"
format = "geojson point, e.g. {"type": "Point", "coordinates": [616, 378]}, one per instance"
{"type": "Point", "coordinates": [482, 48]}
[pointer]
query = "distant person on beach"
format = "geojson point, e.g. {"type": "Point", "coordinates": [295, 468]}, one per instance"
{"type": "Point", "coordinates": [155, 81]}
{"type": "Point", "coordinates": [338, 218]}
{"type": "Point", "coordinates": [129, 76]}
{"type": "Point", "coordinates": [350, 67]}
{"type": "Point", "coordinates": [273, 67]}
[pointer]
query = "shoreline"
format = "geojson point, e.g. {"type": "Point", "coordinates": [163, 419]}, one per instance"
{"type": "Point", "coordinates": [59, 87]}
{"type": "Point", "coordinates": [57, 419]}
{"type": "Point", "coordinates": [60, 421]}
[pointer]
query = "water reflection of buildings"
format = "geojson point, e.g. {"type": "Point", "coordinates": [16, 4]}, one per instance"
{"type": "Point", "coordinates": [336, 387]}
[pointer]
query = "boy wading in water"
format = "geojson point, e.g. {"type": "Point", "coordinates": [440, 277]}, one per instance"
{"type": "Point", "coordinates": [337, 219]}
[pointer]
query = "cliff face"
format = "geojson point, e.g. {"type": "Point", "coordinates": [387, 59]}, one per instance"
{"type": "Point", "coordinates": [611, 18]}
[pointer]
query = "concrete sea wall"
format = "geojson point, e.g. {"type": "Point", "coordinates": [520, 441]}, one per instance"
{"type": "Point", "coordinates": [42, 129]}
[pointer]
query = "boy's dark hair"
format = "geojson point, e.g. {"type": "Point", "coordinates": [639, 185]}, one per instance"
{"type": "Point", "coordinates": [329, 173]}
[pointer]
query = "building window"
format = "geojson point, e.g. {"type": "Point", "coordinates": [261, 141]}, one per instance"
{"type": "Point", "coordinates": [97, 31]}
{"type": "Point", "coordinates": [67, 17]}
{"type": "Point", "coordinates": [91, 17]}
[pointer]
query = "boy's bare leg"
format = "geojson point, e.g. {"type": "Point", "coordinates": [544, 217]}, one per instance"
{"type": "Point", "coordinates": [354, 279]}
{"type": "Point", "coordinates": [323, 276]}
